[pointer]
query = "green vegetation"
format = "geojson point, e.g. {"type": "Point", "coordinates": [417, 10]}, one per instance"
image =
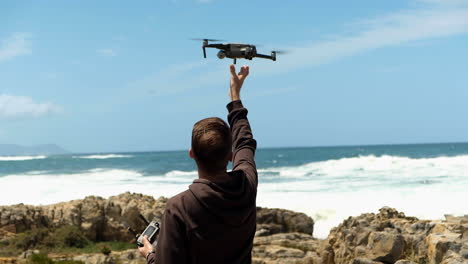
{"type": "Point", "coordinates": [29, 239]}
{"type": "Point", "coordinates": [67, 236]}
{"type": "Point", "coordinates": [39, 259]}
{"type": "Point", "coordinates": [43, 259]}
{"type": "Point", "coordinates": [66, 239]}
{"type": "Point", "coordinates": [68, 262]}
{"type": "Point", "coordinates": [96, 248]}
{"type": "Point", "coordinates": [106, 250]}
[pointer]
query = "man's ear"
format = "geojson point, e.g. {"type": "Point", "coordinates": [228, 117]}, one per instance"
{"type": "Point", "coordinates": [190, 152]}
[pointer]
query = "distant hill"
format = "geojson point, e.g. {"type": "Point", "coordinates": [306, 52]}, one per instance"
{"type": "Point", "coordinates": [17, 150]}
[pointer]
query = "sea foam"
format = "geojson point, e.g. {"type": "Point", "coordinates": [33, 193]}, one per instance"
{"type": "Point", "coordinates": [49, 188]}
{"type": "Point", "coordinates": [103, 156]}
{"type": "Point", "coordinates": [332, 190]}
{"type": "Point", "coordinates": [21, 158]}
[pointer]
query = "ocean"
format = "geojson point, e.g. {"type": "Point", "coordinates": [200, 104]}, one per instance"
{"type": "Point", "coordinates": [327, 183]}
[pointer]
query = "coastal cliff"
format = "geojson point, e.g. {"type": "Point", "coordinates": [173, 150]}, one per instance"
{"type": "Point", "coordinates": [282, 236]}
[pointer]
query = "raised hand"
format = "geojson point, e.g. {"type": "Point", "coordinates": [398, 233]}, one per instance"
{"type": "Point", "coordinates": [237, 80]}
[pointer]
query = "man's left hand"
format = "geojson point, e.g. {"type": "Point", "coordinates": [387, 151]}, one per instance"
{"type": "Point", "coordinates": [146, 248]}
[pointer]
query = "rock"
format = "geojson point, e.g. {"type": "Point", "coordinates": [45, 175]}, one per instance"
{"type": "Point", "coordinates": [130, 256]}
{"type": "Point", "coordinates": [464, 253]}
{"type": "Point", "coordinates": [107, 219]}
{"type": "Point", "coordinates": [364, 261]}
{"type": "Point", "coordinates": [8, 261]}
{"type": "Point", "coordinates": [95, 259]}
{"type": "Point", "coordinates": [282, 236]}
{"type": "Point", "coordinates": [273, 221]}
{"type": "Point", "coordinates": [99, 219]}
{"type": "Point", "coordinates": [392, 237]}
{"type": "Point", "coordinates": [385, 247]}
{"type": "Point", "coordinates": [286, 248]}
{"type": "Point", "coordinates": [28, 253]}
{"type": "Point", "coordinates": [405, 261]}
{"type": "Point", "coordinates": [300, 241]}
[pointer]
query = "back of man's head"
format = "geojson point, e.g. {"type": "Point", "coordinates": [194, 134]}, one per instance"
{"type": "Point", "coordinates": [211, 144]}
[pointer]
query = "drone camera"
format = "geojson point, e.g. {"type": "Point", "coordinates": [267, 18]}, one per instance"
{"type": "Point", "coordinates": [221, 55]}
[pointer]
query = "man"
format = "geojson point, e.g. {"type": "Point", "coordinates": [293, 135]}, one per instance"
{"type": "Point", "coordinates": [214, 220]}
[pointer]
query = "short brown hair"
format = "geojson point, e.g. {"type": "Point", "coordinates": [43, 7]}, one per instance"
{"type": "Point", "coordinates": [211, 143]}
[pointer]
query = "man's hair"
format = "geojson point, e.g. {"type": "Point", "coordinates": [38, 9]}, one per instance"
{"type": "Point", "coordinates": [211, 143]}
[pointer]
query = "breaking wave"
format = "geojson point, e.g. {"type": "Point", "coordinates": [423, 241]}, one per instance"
{"type": "Point", "coordinates": [332, 190]}
{"type": "Point", "coordinates": [103, 156]}
{"type": "Point", "coordinates": [21, 158]}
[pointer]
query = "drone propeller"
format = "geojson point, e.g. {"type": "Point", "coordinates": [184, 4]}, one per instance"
{"type": "Point", "coordinates": [257, 45]}
{"type": "Point", "coordinates": [199, 39]}
{"type": "Point", "coordinates": [280, 51]}
{"type": "Point", "coordinates": [205, 43]}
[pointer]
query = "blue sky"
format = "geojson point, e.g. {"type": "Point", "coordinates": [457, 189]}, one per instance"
{"type": "Point", "coordinates": [105, 76]}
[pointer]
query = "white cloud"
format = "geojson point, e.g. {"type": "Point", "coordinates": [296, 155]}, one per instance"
{"type": "Point", "coordinates": [17, 107]}
{"type": "Point", "coordinates": [434, 20]}
{"type": "Point", "coordinates": [445, 2]}
{"type": "Point", "coordinates": [16, 45]}
{"type": "Point", "coordinates": [106, 52]}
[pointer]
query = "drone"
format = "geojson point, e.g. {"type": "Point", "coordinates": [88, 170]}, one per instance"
{"type": "Point", "coordinates": [236, 50]}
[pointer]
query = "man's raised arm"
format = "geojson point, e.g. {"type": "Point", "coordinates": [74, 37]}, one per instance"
{"type": "Point", "coordinates": [243, 143]}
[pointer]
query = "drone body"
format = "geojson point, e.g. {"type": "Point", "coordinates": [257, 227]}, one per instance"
{"type": "Point", "coordinates": [236, 51]}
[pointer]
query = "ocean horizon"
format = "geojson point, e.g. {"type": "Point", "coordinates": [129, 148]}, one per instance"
{"type": "Point", "coordinates": [328, 183]}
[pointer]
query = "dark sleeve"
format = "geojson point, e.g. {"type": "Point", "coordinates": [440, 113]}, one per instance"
{"type": "Point", "coordinates": [151, 258]}
{"type": "Point", "coordinates": [243, 143]}
{"type": "Point", "coordinates": [172, 244]}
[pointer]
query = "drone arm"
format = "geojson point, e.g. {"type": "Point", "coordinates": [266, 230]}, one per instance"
{"type": "Point", "coordinates": [265, 57]}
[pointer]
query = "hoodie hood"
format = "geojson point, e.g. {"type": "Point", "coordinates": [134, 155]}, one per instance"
{"type": "Point", "coordinates": [232, 202]}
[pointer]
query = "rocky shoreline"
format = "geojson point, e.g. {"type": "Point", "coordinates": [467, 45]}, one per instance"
{"type": "Point", "coordinates": [282, 236]}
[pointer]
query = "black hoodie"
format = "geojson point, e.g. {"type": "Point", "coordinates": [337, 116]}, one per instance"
{"type": "Point", "coordinates": [215, 222]}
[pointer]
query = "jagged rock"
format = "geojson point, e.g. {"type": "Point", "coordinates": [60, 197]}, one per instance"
{"type": "Point", "coordinates": [391, 237]}
{"type": "Point", "coordinates": [286, 248]}
{"type": "Point", "coordinates": [292, 240]}
{"type": "Point", "coordinates": [107, 219]}
{"type": "Point", "coordinates": [99, 219]}
{"type": "Point", "coordinates": [385, 247]}
{"type": "Point", "coordinates": [273, 221]}
{"type": "Point", "coordinates": [282, 236]}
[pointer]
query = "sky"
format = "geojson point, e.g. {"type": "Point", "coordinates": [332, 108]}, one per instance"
{"type": "Point", "coordinates": [114, 76]}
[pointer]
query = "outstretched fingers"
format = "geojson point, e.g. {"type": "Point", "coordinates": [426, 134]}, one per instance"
{"type": "Point", "coordinates": [233, 70]}
{"type": "Point", "coordinates": [244, 72]}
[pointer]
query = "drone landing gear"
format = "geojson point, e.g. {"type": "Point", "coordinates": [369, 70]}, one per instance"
{"type": "Point", "coordinates": [235, 60]}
